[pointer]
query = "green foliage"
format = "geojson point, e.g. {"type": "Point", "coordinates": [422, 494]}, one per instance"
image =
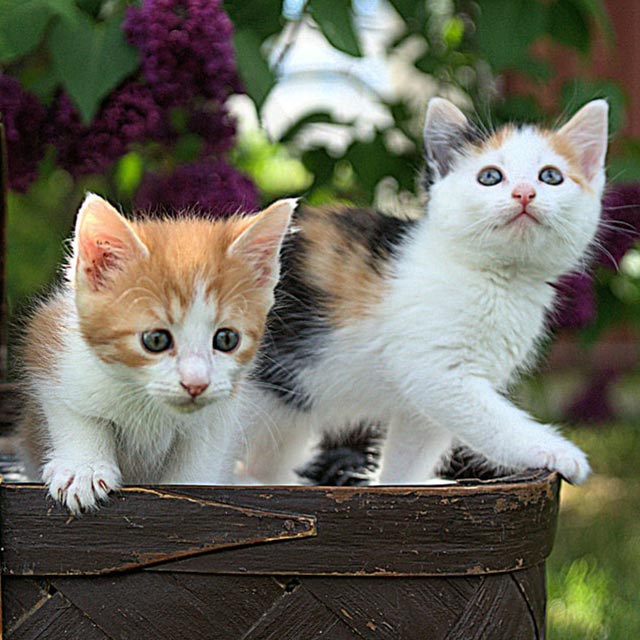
{"type": "Point", "coordinates": [257, 77]}
{"type": "Point", "coordinates": [23, 24]}
{"type": "Point", "coordinates": [77, 45]}
{"type": "Point", "coordinates": [465, 45]}
{"type": "Point", "coordinates": [593, 570]}
{"type": "Point", "coordinates": [335, 19]}
{"type": "Point", "coordinates": [90, 59]}
{"type": "Point", "coordinates": [507, 29]}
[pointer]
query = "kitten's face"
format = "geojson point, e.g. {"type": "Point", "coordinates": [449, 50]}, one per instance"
{"type": "Point", "coordinates": [176, 308]}
{"type": "Point", "coordinates": [526, 195]}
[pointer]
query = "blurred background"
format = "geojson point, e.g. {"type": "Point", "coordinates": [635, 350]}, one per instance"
{"type": "Point", "coordinates": [229, 105]}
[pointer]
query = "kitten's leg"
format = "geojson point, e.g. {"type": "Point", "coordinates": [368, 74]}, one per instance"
{"type": "Point", "coordinates": [276, 441]}
{"type": "Point", "coordinates": [413, 450]}
{"type": "Point", "coordinates": [489, 424]}
{"type": "Point", "coordinates": [81, 468]}
{"type": "Point", "coordinates": [274, 461]}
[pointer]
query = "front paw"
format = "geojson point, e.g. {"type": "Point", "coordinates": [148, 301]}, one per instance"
{"type": "Point", "coordinates": [80, 487]}
{"type": "Point", "coordinates": [565, 458]}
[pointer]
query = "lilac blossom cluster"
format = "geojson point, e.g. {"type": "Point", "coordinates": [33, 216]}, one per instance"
{"type": "Point", "coordinates": [186, 49]}
{"type": "Point", "coordinates": [213, 187]}
{"type": "Point", "coordinates": [129, 114]}
{"type": "Point", "coordinates": [25, 120]}
{"type": "Point", "coordinates": [187, 65]}
{"type": "Point", "coordinates": [619, 231]}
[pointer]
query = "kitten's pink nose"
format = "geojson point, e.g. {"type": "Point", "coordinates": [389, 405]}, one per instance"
{"type": "Point", "coordinates": [524, 192]}
{"type": "Point", "coordinates": [194, 390]}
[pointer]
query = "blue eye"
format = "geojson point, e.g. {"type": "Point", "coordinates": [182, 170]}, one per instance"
{"type": "Point", "coordinates": [551, 175]}
{"type": "Point", "coordinates": [490, 176]}
{"type": "Point", "coordinates": [225, 340]}
{"type": "Point", "coordinates": [157, 340]}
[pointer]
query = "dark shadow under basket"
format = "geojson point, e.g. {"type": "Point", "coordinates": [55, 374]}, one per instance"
{"type": "Point", "coordinates": [462, 561]}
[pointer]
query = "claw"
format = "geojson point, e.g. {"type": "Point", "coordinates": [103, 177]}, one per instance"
{"type": "Point", "coordinates": [80, 507]}
{"type": "Point", "coordinates": [104, 486]}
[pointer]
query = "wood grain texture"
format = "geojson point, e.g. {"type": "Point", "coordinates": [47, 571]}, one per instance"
{"type": "Point", "coordinates": [20, 598]}
{"type": "Point", "coordinates": [299, 615]}
{"type": "Point", "coordinates": [448, 530]}
{"type": "Point", "coordinates": [140, 527]}
{"type": "Point", "coordinates": [159, 606]}
{"type": "Point", "coordinates": [532, 585]}
{"type": "Point", "coordinates": [56, 618]}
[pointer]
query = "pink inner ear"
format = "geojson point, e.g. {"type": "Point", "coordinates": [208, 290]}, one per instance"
{"type": "Point", "coordinates": [98, 255]}
{"type": "Point", "coordinates": [262, 257]}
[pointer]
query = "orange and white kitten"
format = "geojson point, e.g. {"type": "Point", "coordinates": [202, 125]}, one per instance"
{"type": "Point", "coordinates": [134, 368]}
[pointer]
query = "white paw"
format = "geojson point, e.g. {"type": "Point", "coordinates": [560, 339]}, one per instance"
{"type": "Point", "coordinates": [565, 458]}
{"type": "Point", "coordinates": [80, 486]}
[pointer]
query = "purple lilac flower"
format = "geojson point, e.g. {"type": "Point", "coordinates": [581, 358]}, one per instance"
{"type": "Point", "coordinates": [216, 127]}
{"type": "Point", "coordinates": [620, 227]}
{"type": "Point", "coordinates": [212, 186]}
{"type": "Point", "coordinates": [128, 115]}
{"type": "Point", "coordinates": [186, 49]}
{"type": "Point", "coordinates": [593, 404]}
{"type": "Point", "coordinates": [575, 303]}
{"type": "Point", "coordinates": [24, 120]}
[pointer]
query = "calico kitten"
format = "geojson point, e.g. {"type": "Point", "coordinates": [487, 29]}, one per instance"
{"type": "Point", "coordinates": [134, 368]}
{"type": "Point", "coordinates": [423, 325]}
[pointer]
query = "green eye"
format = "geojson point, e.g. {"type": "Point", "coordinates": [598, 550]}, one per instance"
{"type": "Point", "coordinates": [157, 340]}
{"type": "Point", "coordinates": [490, 176]}
{"type": "Point", "coordinates": [225, 340]}
{"type": "Point", "coordinates": [551, 175]}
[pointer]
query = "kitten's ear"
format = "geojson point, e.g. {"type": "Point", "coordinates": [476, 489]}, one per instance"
{"type": "Point", "coordinates": [445, 130]}
{"type": "Point", "coordinates": [103, 241]}
{"type": "Point", "coordinates": [587, 132]}
{"type": "Point", "coordinates": [260, 243]}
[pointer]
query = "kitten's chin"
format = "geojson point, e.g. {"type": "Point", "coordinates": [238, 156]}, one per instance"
{"type": "Point", "coordinates": [185, 406]}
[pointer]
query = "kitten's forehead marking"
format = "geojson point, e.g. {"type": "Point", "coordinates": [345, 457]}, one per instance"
{"type": "Point", "coordinates": [197, 321]}
{"type": "Point", "coordinates": [498, 138]}
{"type": "Point", "coordinates": [521, 152]}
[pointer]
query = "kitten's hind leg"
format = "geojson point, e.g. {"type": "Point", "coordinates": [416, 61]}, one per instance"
{"type": "Point", "coordinates": [413, 450]}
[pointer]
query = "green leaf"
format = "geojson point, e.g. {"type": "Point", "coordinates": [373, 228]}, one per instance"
{"type": "Point", "coordinates": [23, 24]}
{"type": "Point", "coordinates": [576, 93]}
{"type": "Point", "coordinates": [372, 161]}
{"type": "Point", "coordinates": [453, 32]}
{"type": "Point", "coordinates": [320, 164]}
{"type": "Point", "coordinates": [507, 28]}
{"type": "Point", "coordinates": [254, 71]}
{"type": "Point", "coordinates": [91, 59]}
{"type": "Point", "coordinates": [296, 127]}
{"type": "Point", "coordinates": [262, 18]}
{"type": "Point", "coordinates": [128, 173]}
{"type": "Point", "coordinates": [596, 11]}
{"type": "Point", "coordinates": [413, 13]}
{"type": "Point", "coordinates": [335, 19]}
{"type": "Point", "coordinates": [518, 109]}
{"type": "Point", "coordinates": [536, 68]}
{"type": "Point", "coordinates": [569, 24]}
{"type": "Point", "coordinates": [429, 64]}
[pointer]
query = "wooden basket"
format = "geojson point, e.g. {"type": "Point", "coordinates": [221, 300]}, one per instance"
{"type": "Point", "coordinates": [461, 561]}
